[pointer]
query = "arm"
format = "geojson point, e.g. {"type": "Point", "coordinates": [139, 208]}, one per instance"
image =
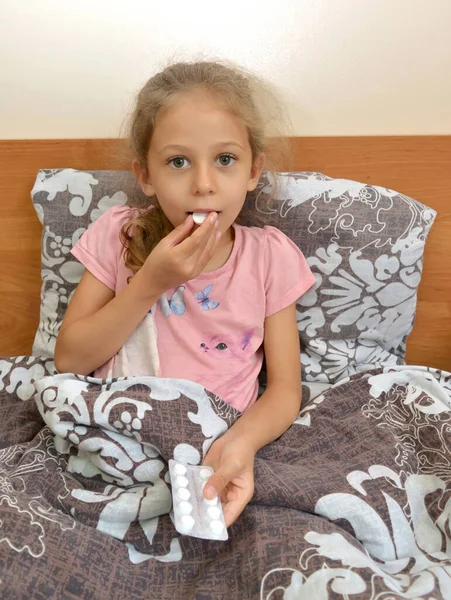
{"type": "Point", "coordinates": [97, 323]}
{"type": "Point", "coordinates": [278, 407]}
{"type": "Point", "coordinates": [232, 455]}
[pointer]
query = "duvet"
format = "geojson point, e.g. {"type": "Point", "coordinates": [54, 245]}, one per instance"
{"type": "Point", "coordinates": [353, 501]}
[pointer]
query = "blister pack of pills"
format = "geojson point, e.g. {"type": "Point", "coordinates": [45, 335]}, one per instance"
{"type": "Point", "coordinates": [193, 514]}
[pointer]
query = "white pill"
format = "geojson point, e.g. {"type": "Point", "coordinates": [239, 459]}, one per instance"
{"type": "Point", "coordinates": [213, 512]}
{"type": "Point", "coordinates": [187, 522]}
{"type": "Point", "coordinates": [181, 481]}
{"type": "Point", "coordinates": [183, 494]}
{"type": "Point", "coordinates": [179, 469]}
{"type": "Point", "coordinates": [203, 484]}
{"type": "Point", "coordinates": [199, 217]}
{"type": "Point", "coordinates": [217, 527]}
{"type": "Point", "coordinates": [212, 502]}
{"type": "Point", "coordinates": [185, 507]}
{"type": "Point", "coordinates": [205, 474]}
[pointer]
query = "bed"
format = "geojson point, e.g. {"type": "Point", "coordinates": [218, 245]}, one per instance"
{"type": "Point", "coordinates": [352, 501]}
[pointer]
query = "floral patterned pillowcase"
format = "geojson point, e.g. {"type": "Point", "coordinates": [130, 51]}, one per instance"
{"type": "Point", "coordinates": [363, 243]}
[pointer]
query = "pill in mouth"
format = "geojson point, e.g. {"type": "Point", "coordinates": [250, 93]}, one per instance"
{"type": "Point", "coordinates": [199, 217]}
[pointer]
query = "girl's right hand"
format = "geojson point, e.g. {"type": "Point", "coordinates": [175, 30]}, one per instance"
{"type": "Point", "coordinates": [179, 256]}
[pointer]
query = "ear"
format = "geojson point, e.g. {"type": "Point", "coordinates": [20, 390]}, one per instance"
{"type": "Point", "coordinates": [256, 172]}
{"type": "Point", "coordinates": [142, 175]}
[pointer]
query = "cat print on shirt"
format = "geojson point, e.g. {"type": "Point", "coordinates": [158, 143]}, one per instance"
{"type": "Point", "coordinates": [228, 346]}
{"type": "Point", "coordinates": [226, 352]}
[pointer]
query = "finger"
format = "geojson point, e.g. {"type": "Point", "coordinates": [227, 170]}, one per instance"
{"type": "Point", "coordinates": [223, 495]}
{"type": "Point", "coordinates": [181, 232]}
{"type": "Point", "coordinates": [219, 480]}
{"type": "Point", "coordinates": [210, 460]}
{"type": "Point", "coordinates": [233, 509]}
{"type": "Point", "coordinates": [232, 495]}
{"type": "Point", "coordinates": [205, 254]}
{"type": "Point", "coordinates": [205, 247]}
{"type": "Point", "coordinates": [200, 237]}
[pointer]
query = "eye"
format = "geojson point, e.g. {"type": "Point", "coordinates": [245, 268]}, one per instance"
{"type": "Point", "coordinates": [221, 346]}
{"type": "Point", "coordinates": [177, 162]}
{"type": "Point", "coordinates": [226, 158]}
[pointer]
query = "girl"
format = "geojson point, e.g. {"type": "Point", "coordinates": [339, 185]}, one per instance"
{"type": "Point", "coordinates": [163, 296]}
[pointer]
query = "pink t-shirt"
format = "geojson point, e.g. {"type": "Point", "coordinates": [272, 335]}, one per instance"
{"type": "Point", "coordinates": [210, 329]}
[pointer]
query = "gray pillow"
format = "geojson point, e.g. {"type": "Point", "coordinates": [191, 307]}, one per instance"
{"type": "Point", "coordinates": [364, 244]}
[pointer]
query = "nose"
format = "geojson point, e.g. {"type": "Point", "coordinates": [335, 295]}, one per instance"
{"type": "Point", "coordinates": [203, 180]}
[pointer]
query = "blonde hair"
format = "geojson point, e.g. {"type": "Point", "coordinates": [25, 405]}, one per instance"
{"type": "Point", "coordinates": [247, 96]}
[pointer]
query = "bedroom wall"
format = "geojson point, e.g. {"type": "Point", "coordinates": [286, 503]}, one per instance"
{"type": "Point", "coordinates": [344, 67]}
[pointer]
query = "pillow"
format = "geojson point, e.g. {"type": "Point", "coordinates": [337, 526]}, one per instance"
{"type": "Point", "coordinates": [363, 243]}
{"type": "Point", "coordinates": [67, 201]}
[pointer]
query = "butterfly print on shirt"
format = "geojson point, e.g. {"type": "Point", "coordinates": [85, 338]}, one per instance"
{"type": "Point", "coordinates": [204, 299]}
{"type": "Point", "coordinates": [176, 304]}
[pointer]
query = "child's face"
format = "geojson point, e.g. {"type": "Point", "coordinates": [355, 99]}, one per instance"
{"type": "Point", "coordinates": [200, 159]}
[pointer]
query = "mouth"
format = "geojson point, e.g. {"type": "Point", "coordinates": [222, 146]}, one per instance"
{"type": "Point", "coordinates": [203, 210]}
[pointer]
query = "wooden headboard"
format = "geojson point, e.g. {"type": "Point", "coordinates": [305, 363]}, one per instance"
{"type": "Point", "coordinates": [419, 166]}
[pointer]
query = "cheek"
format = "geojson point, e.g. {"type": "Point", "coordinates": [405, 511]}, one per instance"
{"type": "Point", "coordinates": [170, 199]}
{"type": "Point", "coordinates": [238, 187]}
{"type": "Point", "coordinates": [172, 209]}
{"type": "Point", "coordinates": [233, 193]}
{"type": "Point", "coordinates": [165, 184]}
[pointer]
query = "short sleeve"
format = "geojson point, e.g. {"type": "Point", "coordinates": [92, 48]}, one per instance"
{"type": "Point", "coordinates": [287, 273]}
{"type": "Point", "coordinates": [99, 249]}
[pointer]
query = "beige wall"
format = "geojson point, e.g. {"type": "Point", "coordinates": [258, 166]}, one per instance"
{"type": "Point", "coordinates": [344, 67]}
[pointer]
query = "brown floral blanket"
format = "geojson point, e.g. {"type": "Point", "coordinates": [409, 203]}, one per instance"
{"type": "Point", "coordinates": [353, 501]}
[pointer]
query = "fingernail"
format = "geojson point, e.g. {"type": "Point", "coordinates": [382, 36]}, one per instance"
{"type": "Point", "coordinates": [210, 492]}
{"type": "Point", "coordinates": [218, 235]}
{"type": "Point", "coordinates": [216, 223]}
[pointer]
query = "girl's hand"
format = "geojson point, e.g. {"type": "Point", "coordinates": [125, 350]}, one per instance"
{"type": "Point", "coordinates": [233, 480]}
{"type": "Point", "coordinates": [180, 256]}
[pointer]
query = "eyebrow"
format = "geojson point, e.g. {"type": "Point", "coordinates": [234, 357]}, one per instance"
{"type": "Point", "coordinates": [185, 148]}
